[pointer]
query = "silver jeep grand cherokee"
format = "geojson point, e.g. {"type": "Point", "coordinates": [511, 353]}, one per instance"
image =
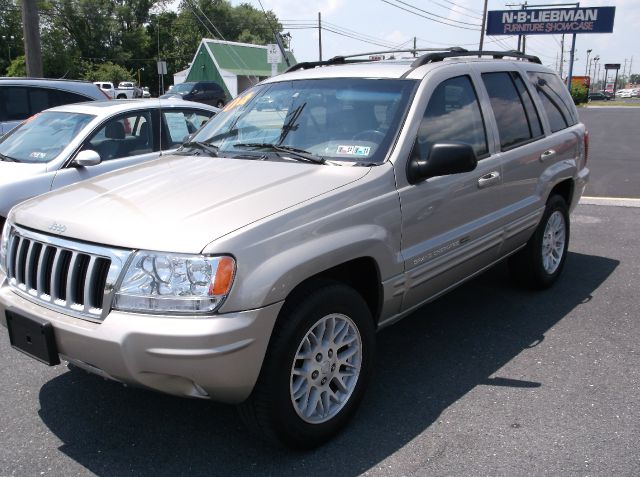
{"type": "Point", "coordinates": [255, 265]}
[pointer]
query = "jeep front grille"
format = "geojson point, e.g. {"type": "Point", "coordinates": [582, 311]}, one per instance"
{"type": "Point", "coordinates": [67, 276]}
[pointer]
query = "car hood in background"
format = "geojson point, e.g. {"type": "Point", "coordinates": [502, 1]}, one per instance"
{"type": "Point", "coordinates": [179, 203]}
{"type": "Point", "coordinates": [13, 171]}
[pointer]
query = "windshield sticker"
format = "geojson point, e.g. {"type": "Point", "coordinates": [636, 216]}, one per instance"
{"type": "Point", "coordinates": [38, 155]}
{"type": "Point", "coordinates": [354, 150]}
{"type": "Point", "coordinates": [239, 101]}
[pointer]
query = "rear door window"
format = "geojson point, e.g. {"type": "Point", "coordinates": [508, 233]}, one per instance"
{"type": "Point", "coordinates": [516, 123]}
{"type": "Point", "coordinates": [180, 123]}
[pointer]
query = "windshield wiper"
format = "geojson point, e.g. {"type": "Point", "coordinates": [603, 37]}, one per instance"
{"type": "Point", "coordinates": [203, 146]}
{"type": "Point", "coordinates": [296, 153]}
{"type": "Point", "coordinates": [7, 158]}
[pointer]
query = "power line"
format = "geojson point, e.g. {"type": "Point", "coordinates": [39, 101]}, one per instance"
{"type": "Point", "coordinates": [464, 8]}
{"type": "Point", "coordinates": [455, 11]}
{"type": "Point", "coordinates": [429, 18]}
{"type": "Point", "coordinates": [434, 14]}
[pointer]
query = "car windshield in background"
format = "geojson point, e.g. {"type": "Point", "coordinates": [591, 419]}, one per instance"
{"type": "Point", "coordinates": [340, 119]}
{"type": "Point", "coordinates": [42, 137]}
{"type": "Point", "coordinates": [181, 88]}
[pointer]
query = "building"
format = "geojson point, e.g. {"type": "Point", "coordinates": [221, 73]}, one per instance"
{"type": "Point", "coordinates": [235, 66]}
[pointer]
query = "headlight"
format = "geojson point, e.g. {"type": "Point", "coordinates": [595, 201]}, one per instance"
{"type": "Point", "coordinates": [158, 282]}
{"type": "Point", "coordinates": [4, 243]}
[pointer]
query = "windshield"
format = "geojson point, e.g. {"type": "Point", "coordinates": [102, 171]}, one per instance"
{"type": "Point", "coordinates": [182, 88]}
{"type": "Point", "coordinates": [42, 137]}
{"type": "Point", "coordinates": [338, 119]}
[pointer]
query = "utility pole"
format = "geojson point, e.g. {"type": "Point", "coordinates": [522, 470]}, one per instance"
{"type": "Point", "coordinates": [484, 23]}
{"type": "Point", "coordinates": [561, 55]}
{"type": "Point", "coordinates": [31, 29]}
{"type": "Point", "coordinates": [320, 35]}
{"type": "Point", "coordinates": [414, 47]}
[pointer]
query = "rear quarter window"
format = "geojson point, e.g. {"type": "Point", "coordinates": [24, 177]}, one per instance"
{"type": "Point", "coordinates": [556, 100]}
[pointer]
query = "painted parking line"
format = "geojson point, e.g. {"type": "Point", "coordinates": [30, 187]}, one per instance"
{"type": "Point", "coordinates": [612, 201]}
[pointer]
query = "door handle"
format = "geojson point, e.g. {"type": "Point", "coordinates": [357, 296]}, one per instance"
{"type": "Point", "coordinates": [489, 179]}
{"type": "Point", "coordinates": [547, 155]}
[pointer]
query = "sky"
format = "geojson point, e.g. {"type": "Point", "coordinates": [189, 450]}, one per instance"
{"type": "Point", "coordinates": [382, 24]}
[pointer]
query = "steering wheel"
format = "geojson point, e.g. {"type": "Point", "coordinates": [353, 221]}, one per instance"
{"type": "Point", "coordinates": [371, 135]}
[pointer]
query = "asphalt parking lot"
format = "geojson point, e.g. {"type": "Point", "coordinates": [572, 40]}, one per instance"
{"type": "Point", "coordinates": [489, 380]}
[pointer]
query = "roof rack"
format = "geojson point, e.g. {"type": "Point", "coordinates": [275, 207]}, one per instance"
{"type": "Point", "coordinates": [340, 60]}
{"type": "Point", "coordinates": [434, 55]}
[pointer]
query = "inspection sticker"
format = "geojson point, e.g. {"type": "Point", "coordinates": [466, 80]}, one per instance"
{"type": "Point", "coordinates": [354, 150]}
{"type": "Point", "coordinates": [38, 155]}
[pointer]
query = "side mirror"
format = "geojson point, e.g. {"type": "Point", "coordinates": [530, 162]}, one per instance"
{"type": "Point", "coordinates": [444, 158]}
{"type": "Point", "coordinates": [87, 158]}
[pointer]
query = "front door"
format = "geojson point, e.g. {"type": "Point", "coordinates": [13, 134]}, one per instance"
{"type": "Point", "coordinates": [451, 224]}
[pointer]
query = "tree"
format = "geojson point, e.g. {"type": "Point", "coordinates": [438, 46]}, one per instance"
{"type": "Point", "coordinates": [635, 78]}
{"type": "Point", "coordinates": [18, 67]}
{"type": "Point", "coordinates": [107, 72]}
{"type": "Point", "coordinates": [10, 33]}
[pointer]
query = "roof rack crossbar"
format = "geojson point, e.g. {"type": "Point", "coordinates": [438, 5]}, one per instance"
{"type": "Point", "coordinates": [434, 57]}
{"type": "Point", "coordinates": [340, 60]}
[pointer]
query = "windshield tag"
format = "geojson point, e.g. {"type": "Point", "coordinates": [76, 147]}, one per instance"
{"type": "Point", "coordinates": [38, 155]}
{"type": "Point", "coordinates": [354, 150]}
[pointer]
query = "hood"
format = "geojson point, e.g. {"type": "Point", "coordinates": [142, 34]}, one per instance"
{"type": "Point", "coordinates": [179, 203]}
{"type": "Point", "coordinates": [12, 171]}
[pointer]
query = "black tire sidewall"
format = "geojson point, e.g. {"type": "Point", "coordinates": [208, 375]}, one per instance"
{"type": "Point", "coordinates": [286, 423]}
{"type": "Point", "coordinates": [544, 278]}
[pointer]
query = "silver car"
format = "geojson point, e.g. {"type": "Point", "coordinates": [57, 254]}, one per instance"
{"type": "Point", "coordinates": [67, 144]}
{"type": "Point", "coordinates": [254, 265]}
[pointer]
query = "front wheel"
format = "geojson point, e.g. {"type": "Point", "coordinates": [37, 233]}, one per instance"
{"type": "Point", "coordinates": [541, 261]}
{"type": "Point", "coordinates": [316, 368]}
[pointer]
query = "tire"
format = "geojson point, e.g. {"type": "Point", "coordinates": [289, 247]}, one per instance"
{"type": "Point", "coordinates": [220, 104]}
{"type": "Point", "coordinates": [539, 264]}
{"type": "Point", "coordinates": [297, 369]}
{"type": "Point", "coordinates": [122, 96]}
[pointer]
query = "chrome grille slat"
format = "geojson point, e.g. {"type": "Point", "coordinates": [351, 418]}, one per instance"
{"type": "Point", "coordinates": [62, 274]}
{"type": "Point", "coordinates": [53, 286]}
{"type": "Point", "coordinates": [89, 283]}
{"type": "Point", "coordinates": [72, 276]}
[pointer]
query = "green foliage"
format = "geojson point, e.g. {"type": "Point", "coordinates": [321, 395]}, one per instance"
{"type": "Point", "coordinates": [78, 36]}
{"type": "Point", "coordinates": [107, 72]}
{"type": "Point", "coordinates": [635, 78]}
{"type": "Point", "coordinates": [579, 94]}
{"type": "Point", "coordinates": [18, 67]}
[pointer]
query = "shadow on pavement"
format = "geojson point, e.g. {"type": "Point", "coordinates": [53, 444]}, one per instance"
{"type": "Point", "coordinates": [424, 364]}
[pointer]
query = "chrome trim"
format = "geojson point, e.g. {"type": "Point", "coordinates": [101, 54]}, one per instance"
{"type": "Point", "coordinates": [21, 280]}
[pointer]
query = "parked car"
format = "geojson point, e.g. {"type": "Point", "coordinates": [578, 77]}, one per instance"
{"type": "Point", "coordinates": [208, 92]}
{"type": "Point", "coordinates": [599, 96]}
{"type": "Point", "coordinates": [145, 92]}
{"type": "Point", "coordinates": [623, 93]}
{"type": "Point", "coordinates": [21, 98]}
{"type": "Point", "coordinates": [70, 143]}
{"type": "Point", "coordinates": [255, 264]}
{"type": "Point", "coordinates": [128, 90]}
{"type": "Point", "coordinates": [107, 88]}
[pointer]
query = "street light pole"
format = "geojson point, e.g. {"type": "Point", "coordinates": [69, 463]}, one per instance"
{"type": "Point", "coordinates": [586, 65]}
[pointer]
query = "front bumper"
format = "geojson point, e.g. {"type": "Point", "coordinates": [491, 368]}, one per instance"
{"type": "Point", "coordinates": [216, 358]}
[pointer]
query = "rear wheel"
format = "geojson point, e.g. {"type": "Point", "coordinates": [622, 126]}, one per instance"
{"type": "Point", "coordinates": [541, 261]}
{"type": "Point", "coordinates": [316, 368]}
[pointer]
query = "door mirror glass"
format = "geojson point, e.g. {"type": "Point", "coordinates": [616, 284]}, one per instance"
{"type": "Point", "coordinates": [87, 158]}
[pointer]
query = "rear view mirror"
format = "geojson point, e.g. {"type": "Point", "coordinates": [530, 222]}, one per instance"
{"type": "Point", "coordinates": [87, 158]}
{"type": "Point", "coordinates": [442, 160]}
